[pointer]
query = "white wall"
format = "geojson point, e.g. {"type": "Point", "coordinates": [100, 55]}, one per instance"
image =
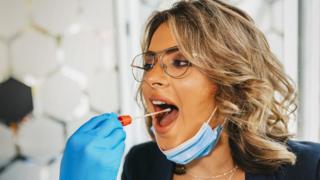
{"type": "Point", "coordinates": [309, 70]}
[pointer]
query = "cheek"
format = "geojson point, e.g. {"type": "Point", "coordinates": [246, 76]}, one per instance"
{"type": "Point", "coordinates": [145, 90]}
{"type": "Point", "coordinates": [196, 99]}
{"type": "Point", "coordinates": [144, 93]}
{"type": "Point", "coordinates": [195, 92]}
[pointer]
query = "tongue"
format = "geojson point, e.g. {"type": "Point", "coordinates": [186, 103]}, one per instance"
{"type": "Point", "coordinates": [169, 118]}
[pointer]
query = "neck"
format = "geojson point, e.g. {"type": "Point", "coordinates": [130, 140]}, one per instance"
{"type": "Point", "coordinates": [217, 162]}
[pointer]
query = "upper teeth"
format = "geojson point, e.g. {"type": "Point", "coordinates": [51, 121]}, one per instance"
{"type": "Point", "coordinates": [155, 102]}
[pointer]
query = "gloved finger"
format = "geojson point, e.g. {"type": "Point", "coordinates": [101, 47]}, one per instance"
{"type": "Point", "coordinates": [108, 143]}
{"type": "Point", "coordinates": [113, 157]}
{"type": "Point", "coordinates": [106, 127]}
{"type": "Point", "coordinates": [119, 148]}
{"type": "Point", "coordinates": [116, 137]}
{"type": "Point", "coordinates": [95, 122]}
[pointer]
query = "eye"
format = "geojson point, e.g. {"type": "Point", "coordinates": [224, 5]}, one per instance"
{"type": "Point", "coordinates": [148, 61]}
{"type": "Point", "coordinates": [180, 63]}
{"type": "Point", "coordinates": [147, 66]}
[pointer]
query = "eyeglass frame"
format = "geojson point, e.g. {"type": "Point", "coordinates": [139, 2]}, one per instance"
{"type": "Point", "coordinates": [155, 60]}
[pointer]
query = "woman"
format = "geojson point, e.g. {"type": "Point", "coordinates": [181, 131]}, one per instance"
{"type": "Point", "coordinates": [229, 102]}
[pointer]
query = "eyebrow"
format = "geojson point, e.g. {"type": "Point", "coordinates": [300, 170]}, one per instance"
{"type": "Point", "coordinates": [167, 49]}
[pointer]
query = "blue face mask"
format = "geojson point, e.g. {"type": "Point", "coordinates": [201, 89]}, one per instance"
{"type": "Point", "coordinates": [200, 145]}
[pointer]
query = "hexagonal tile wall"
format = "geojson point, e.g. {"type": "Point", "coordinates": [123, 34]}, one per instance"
{"type": "Point", "coordinates": [94, 9]}
{"type": "Point", "coordinates": [72, 126]}
{"type": "Point", "coordinates": [103, 91]}
{"type": "Point", "coordinates": [33, 54]}
{"type": "Point", "coordinates": [277, 15]}
{"type": "Point", "coordinates": [22, 170]}
{"type": "Point", "coordinates": [60, 96]}
{"type": "Point", "coordinates": [54, 169]}
{"type": "Point", "coordinates": [235, 2]}
{"type": "Point", "coordinates": [151, 3]}
{"type": "Point", "coordinates": [7, 150]}
{"type": "Point", "coordinates": [4, 62]}
{"type": "Point", "coordinates": [16, 101]}
{"type": "Point", "coordinates": [83, 52]}
{"type": "Point", "coordinates": [55, 16]}
{"type": "Point", "coordinates": [13, 17]}
{"type": "Point", "coordinates": [276, 43]}
{"type": "Point", "coordinates": [253, 7]}
{"type": "Point", "coordinates": [41, 139]}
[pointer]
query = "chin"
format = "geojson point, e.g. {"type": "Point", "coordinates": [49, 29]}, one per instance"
{"type": "Point", "coordinates": [168, 142]}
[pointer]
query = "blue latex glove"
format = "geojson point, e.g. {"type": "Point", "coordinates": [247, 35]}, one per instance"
{"type": "Point", "coordinates": [94, 151]}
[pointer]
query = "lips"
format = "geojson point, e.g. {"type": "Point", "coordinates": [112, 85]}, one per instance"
{"type": "Point", "coordinates": [164, 120]}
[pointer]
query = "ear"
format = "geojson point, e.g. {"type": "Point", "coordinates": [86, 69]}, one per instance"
{"type": "Point", "coordinates": [215, 88]}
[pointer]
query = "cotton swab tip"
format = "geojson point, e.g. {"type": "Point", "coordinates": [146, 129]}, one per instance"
{"type": "Point", "coordinates": [125, 120]}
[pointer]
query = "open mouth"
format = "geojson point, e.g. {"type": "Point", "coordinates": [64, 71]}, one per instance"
{"type": "Point", "coordinates": [166, 118]}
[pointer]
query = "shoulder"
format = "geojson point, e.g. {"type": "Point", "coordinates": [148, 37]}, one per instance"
{"type": "Point", "coordinates": [307, 164]}
{"type": "Point", "coordinates": [144, 149]}
{"type": "Point", "coordinates": [148, 152]}
{"type": "Point", "coordinates": [304, 148]}
{"type": "Point", "coordinates": [145, 152]}
{"type": "Point", "coordinates": [145, 160]}
{"type": "Point", "coordinates": [308, 153]}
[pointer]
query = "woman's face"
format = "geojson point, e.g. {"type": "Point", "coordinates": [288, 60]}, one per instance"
{"type": "Point", "coordinates": [192, 96]}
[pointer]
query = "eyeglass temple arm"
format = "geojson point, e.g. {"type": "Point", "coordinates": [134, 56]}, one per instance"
{"type": "Point", "coordinates": [137, 67]}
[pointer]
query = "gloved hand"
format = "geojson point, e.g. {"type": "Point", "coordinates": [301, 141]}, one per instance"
{"type": "Point", "coordinates": [94, 151]}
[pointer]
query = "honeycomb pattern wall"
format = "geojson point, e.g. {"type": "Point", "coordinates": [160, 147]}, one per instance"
{"type": "Point", "coordinates": [64, 51]}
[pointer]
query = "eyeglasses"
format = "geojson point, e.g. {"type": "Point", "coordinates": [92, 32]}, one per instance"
{"type": "Point", "coordinates": [172, 62]}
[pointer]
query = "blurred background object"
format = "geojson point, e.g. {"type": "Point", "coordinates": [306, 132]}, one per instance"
{"type": "Point", "coordinates": [63, 62]}
{"type": "Point", "coordinates": [16, 101]}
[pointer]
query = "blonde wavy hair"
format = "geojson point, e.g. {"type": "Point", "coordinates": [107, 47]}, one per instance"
{"type": "Point", "coordinates": [254, 93]}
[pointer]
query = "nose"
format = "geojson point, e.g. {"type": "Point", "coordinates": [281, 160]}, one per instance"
{"type": "Point", "coordinates": [156, 77]}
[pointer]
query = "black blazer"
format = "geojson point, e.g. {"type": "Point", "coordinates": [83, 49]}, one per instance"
{"type": "Point", "coordinates": [147, 162]}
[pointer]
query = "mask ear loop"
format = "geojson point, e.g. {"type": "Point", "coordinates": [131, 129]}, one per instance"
{"type": "Point", "coordinates": [209, 120]}
{"type": "Point", "coordinates": [224, 122]}
{"type": "Point", "coordinates": [211, 115]}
